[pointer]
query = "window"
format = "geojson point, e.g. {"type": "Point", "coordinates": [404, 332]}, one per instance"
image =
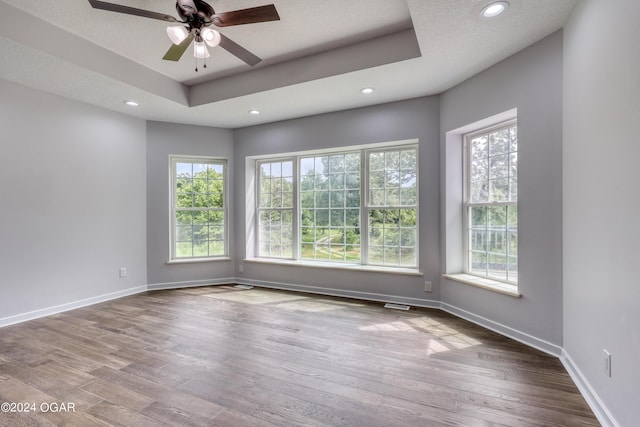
{"type": "Point", "coordinates": [491, 203]}
{"type": "Point", "coordinates": [275, 208]}
{"type": "Point", "coordinates": [392, 207]}
{"type": "Point", "coordinates": [198, 208]}
{"type": "Point", "coordinates": [312, 207]}
{"type": "Point", "coordinates": [330, 207]}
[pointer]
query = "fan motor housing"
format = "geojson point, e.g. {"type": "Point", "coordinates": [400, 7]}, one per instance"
{"type": "Point", "coordinates": [190, 9]}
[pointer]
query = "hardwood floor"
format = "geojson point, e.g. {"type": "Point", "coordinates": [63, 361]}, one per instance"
{"type": "Point", "coordinates": [219, 356]}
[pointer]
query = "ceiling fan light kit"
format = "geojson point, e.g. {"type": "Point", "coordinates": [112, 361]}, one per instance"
{"type": "Point", "coordinates": [177, 34]}
{"type": "Point", "coordinates": [198, 16]}
{"type": "Point", "coordinates": [200, 50]}
{"type": "Point", "coordinates": [211, 37]}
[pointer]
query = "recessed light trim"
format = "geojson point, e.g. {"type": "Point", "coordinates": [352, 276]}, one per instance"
{"type": "Point", "coordinates": [255, 112]}
{"type": "Point", "coordinates": [494, 9]}
{"type": "Point", "coordinates": [131, 103]}
{"type": "Point", "coordinates": [367, 90]}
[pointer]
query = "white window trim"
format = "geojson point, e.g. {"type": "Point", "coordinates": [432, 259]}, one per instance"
{"type": "Point", "coordinates": [252, 236]}
{"type": "Point", "coordinates": [453, 205]}
{"type": "Point", "coordinates": [173, 160]}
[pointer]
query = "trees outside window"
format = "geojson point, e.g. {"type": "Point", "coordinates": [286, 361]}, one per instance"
{"type": "Point", "coordinates": [491, 202]}
{"type": "Point", "coordinates": [198, 208]}
{"type": "Point", "coordinates": [312, 207]}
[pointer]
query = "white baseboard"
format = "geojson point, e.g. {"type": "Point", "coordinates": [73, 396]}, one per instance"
{"type": "Point", "coordinates": [48, 311]}
{"type": "Point", "coordinates": [593, 400]}
{"type": "Point", "coordinates": [507, 331]}
{"type": "Point", "coordinates": [416, 302]}
{"type": "Point", "coordinates": [191, 283]}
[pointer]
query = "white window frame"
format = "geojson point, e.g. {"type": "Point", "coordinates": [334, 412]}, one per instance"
{"type": "Point", "coordinates": [364, 202]}
{"type": "Point", "coordinates": [467, 204]}
{"type": "Point", "coordinates": [173, 161]}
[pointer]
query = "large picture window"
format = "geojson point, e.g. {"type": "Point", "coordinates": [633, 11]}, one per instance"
{"type": "Point", "coordinates": [198, 208]}
{"type": "Point", "coordinates": [491, 203]}
{"type": "Point", "coordinates": [313, 206]}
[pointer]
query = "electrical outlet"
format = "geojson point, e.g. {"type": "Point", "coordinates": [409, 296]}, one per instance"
{"type": "Point", "coordinates": [241, 267]}
{"type": "Point", "coordinates": [427, 286]}
{"type": "Point", "coordinates": [607, 362]}
{"type": "Point", "coordinates": [123, 272]}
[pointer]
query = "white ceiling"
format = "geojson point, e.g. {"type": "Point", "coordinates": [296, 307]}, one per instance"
{"type": "Point", "coordinates": [315, 59]}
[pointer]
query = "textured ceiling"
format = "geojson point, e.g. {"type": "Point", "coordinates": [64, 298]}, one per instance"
{"type": "Point", "coordinates": [315, 59]}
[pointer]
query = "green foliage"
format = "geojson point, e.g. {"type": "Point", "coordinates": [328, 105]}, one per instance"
{"type": "Point", "coordinates": [199, 210]}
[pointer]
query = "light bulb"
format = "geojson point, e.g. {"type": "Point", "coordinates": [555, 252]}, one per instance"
{"type": "Point", "coordinates": [200, 50]}
{"type": "Point", "coordinates": [210, 37]}
{"type": "Point", "coordinates": [494, 9]}
{"type": "Point", "coordinates": [177, 34]}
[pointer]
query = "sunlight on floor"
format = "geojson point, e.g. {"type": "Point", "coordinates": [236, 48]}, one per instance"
{"type": "Point", "coordinates": [256, 296]}
{"type": "Point", "coordinates": [389, 326]}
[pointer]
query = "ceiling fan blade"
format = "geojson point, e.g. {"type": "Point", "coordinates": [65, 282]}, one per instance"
{"type": "Point", "coordinates": [96, 4]}
{"type": "Point", "coordinates": [176, 51]}
{"type": "Point", "coordinates": [237, 50]}
{"type": "Point", "coordinates": [246, 16]}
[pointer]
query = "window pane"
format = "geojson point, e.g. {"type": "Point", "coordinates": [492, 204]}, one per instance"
{"type": "Point", "coordinates": [499, 142]}
{"type": "Point", "coordinates": [184, 170]}
{"type": "Point", "coordinates": [498, 166]}
{"type": "Point", "coordinates": [336, 181]}
{"type": "Point", "coordinates": [336, 164]}
{"type": "Point", "coordinates": [392, 197]}
{"type": "Point", "coordinates": [499, 189]}
{"type": "Point", "coordinates": [408, 257]}
{"type": "Point", "coordinates": [337, 217]}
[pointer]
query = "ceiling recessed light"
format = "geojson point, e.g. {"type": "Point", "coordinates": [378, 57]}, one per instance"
{"type": "Point", "coordinates": [367, 90]}
{"type": "Point", "coordinates": [131, 103]}
{"type": "Point", "coordinates": [254, 112]}
{"type": "Point", "coordinates": [494, 9]}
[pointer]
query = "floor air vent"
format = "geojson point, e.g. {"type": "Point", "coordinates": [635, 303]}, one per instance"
{"type": "Point", "coordinates": [397, 306]}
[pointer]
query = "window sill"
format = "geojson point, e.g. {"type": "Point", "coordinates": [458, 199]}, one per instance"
{"type": "Point", "coordinates": [336, 266]}
{"type": "Point", "coordinates": [484, 283]}
{"type": "Point", "coordinates": [196, 260]}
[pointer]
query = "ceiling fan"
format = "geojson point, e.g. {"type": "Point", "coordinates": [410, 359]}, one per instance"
{"type": "Point", "coordinates": [198, 16]}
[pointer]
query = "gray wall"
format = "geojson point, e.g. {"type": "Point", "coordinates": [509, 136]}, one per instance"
{"type": "Point", "coordinates": [163, 140]}
{"type": "Point", "coordinates": [601, 204]}
{"type": "Point", "coordinates": [73, 201]}
{"type": "Point", "coordinates": [416, 118]}
{"type": "Point", "coordinates": [530, 81]}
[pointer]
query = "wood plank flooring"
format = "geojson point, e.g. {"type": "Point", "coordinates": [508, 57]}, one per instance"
{"type": "Point", "coordinates": [219, 356]}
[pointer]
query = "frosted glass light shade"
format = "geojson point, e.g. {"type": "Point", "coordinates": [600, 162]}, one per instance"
{"type": "Point", "coordinates": [200, 50]}
{"type": "Point", "coordinates": [177, 34]}
{"type": "Point", "coordinates": [210, 37]}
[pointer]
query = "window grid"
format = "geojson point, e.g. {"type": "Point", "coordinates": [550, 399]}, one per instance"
{"type": "Point", "coordinates": [275, 208]}
{"type": "Point", "coordinates": [198, 208]}
{"type": "Point", "coordinates": [330, 202]}
{"type": "Point", "coordinates": [392, 207]}
{"type": "Point", "coordinates": [491, 203]}
{"type": "Point", "coordinates": [330, 207]}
